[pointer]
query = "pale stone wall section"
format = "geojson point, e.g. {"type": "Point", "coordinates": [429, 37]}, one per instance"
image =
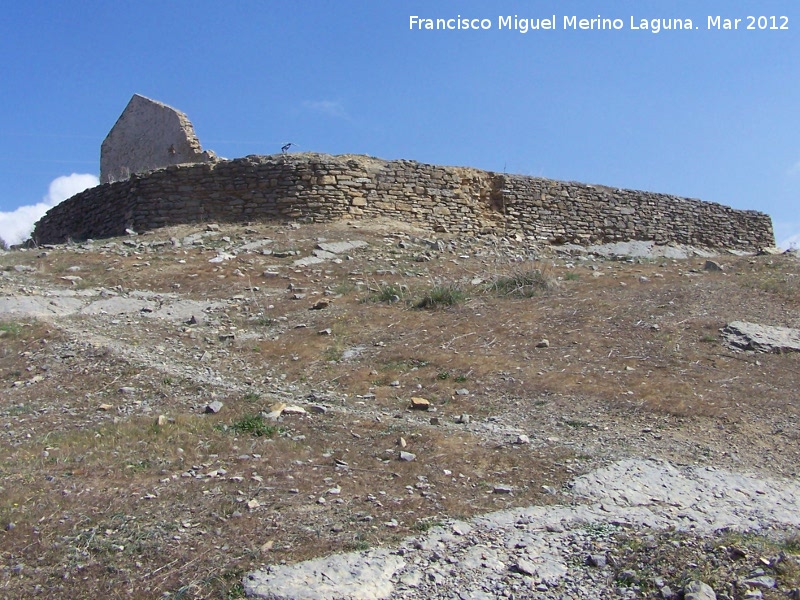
{"type": "Point", "coordinates": [320, 187]}
{"type": "Point", "coordinates": [148, 135]}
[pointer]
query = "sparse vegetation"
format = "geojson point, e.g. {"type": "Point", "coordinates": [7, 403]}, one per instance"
{"type": "Point", "coordinates": [441, 295]}
{"type": "Point", "coordinates": [112, 475]}
{"type": "Point", "coordinates": [524, 283]}
{"type": "Point", "coordinates": [423, 525]}
{"type": "Point", "coordinates": [253, 425]}
{"type": "Point", "coordinates": [387, 292]}
{"type": "Point", "coordinates": [776, 276]}
{"type": "Point", "coordinates": [9, 329]}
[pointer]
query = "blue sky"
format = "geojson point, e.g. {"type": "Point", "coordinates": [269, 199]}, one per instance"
{"type": "Point", "coordinates": [702, 113]}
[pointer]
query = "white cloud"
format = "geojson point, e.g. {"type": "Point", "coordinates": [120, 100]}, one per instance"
{"type": "Point", "coordinates": [329, 108]}
{"type": "Point", "coordinates": [16, 225]}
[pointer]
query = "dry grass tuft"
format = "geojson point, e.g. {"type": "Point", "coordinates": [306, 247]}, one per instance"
{"type": "Point", "coordinates": [524, 283]}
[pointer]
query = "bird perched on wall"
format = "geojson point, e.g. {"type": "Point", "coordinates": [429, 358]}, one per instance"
{"type": "Point", "coordinates": [285, 147]}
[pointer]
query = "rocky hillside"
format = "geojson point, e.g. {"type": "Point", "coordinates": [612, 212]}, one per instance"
{"type": "Point", "coordinates": [194, 412]}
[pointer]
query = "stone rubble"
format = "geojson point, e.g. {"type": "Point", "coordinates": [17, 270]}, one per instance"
{"type": "Point", "coordinates": [547, 552]}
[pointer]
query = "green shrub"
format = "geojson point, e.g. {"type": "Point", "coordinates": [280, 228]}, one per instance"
{"type": "Point", "coordinates": [387, 292]}
{"type": "Point", "coordinates": [254, 425]}
{"type": "Point", "coordinates": [442, 295]}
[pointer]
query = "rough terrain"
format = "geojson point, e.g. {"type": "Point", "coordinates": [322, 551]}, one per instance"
{"type": "Point", "coordinates": [190, 412]}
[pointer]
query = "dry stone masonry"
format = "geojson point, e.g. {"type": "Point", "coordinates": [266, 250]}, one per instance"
{"type": "Point", "coordinates": [148, 135]}
{"type": "Point", "coordinates": [320, 188]}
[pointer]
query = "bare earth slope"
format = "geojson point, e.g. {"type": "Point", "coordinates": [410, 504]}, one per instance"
{"type": "Point", "coordinates": [182, 412]}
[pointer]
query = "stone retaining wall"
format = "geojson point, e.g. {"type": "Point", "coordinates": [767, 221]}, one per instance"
{"type": "Point", "coordinates": [319, 188]}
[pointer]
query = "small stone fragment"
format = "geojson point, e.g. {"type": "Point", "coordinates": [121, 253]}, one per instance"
{"type": "Point", "coordinates": [461, 528]}
{"type": "Point", "coordinates": [407, 456]}
{"type": "Point", "coordinates": [525, 567]}
{"type": "Point", "coordinates": [596, 560]}
{"type": "Point", "coordinates": [712, 265]}
{"type": "Point", "coordinates": [762, 581]}
{"type": "Point", "coordinates": [418, 403]}
{"type": "Point", "coordinates": [522, 439]}
{"type": "Point", "coordinates": [544, 343]}
{"type": "Point", "coordinates": [214, 407]}
{"type": "Point", "coordinates": [697, 590]}
{"type": "Point", "coordinates": [502, 489]}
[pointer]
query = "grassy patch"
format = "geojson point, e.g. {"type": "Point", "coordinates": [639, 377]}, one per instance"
{"type": "Point", "coordinates": [252, 397]}
{"type": "Point", "coordinates": [10, 329]}
{"type": "Point", "coordinates": [253, 425]}
{"type": "Point", "coordinates": [423, 525]}
{"type": "Point", "coordinates": [440, 296]}
{"type": "Point", "coordinates": [387, 292]}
